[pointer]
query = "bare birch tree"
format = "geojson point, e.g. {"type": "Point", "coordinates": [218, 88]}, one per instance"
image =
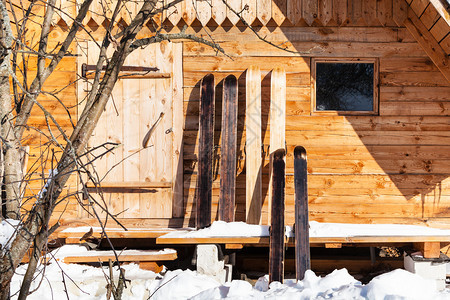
{"type": "Point", "coordinates": [19, 95]}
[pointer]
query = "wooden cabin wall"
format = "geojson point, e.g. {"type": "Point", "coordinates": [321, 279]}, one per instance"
{"type": "Point", "coordinates": [389, 168]}
{"type": "Point", "coordinates": [63, 107]}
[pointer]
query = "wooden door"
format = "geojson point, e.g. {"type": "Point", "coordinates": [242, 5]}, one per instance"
{"type": "Point", "coordinates": [138, 181]}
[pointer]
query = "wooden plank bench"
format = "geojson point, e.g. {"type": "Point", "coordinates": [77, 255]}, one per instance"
{"type": "Point", "coordinates": [147, 259]}
{"type": "Point", "coordinates": [74, 237]}
{"type": "Point", "coordinates": [429, 245]}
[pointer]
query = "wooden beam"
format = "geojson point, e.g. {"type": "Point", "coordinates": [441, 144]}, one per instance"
{"type": "Point", "coordinates": [129, 75]}
{"type": "Point", "coordinates": [428, 43]}
{"type": "Point", "coordinates": [140, 233]}
{"type": "Point", "coordinates": [130, 224]}
{"type": "Point", "coordinates": [151, 266]}
{"type": "Point", "coordinates": [234, 246]}
{"type": "Point", "coordinates": [130, 184]}
{"type": "Point", "coordinates": [429, 249]}
{"type": "Point", "coordinates": [264, 241]}
{"type": "Point", "coordinates": [442, 10]}
{"type": "Point", "coordinates": [126, 255]}
{"type": "Point", "coordinates": [213, 240]}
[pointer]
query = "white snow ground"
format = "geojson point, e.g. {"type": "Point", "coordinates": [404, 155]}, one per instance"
{"type": "Point", "coordinates": [85, 282]}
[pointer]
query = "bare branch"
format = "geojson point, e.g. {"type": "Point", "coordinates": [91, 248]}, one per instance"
{"type": "Point", "coordinates": [36, 86]}
{"type": "Point", "coordinates": [44, 40]}
{"type": "Point", "coordinates": [159, 37]}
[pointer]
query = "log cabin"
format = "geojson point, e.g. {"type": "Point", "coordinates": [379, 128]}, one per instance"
{"type": "Point", "coordinates": [383, 157]}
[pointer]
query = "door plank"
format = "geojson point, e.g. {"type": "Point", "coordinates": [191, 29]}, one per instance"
{"type": "Point", "coordinates": [132, 143]}
{"type": "Point", "coordinates": [148, 117]}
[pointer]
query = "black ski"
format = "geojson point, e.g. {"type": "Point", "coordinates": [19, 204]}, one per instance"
{"type": "Point", "coordinates": [276, 254]}
{"type": "Point", "coordinates": [228, 149]}
{"type": "Point", "coordinates": [205, 152]}
{"type": "Point", "coordinates": [302, 253]}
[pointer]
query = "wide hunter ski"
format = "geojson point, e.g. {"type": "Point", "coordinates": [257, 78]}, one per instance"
{"type": "Point", "coordinates": [276, 253]}
{"type": "Point", "coordinates": [302, 253]}
{"type": "Point", "coordinates": [277, 118]}
{"type": "Point", "coordinates": [228, 149]}
{"type": "Point", "coordinates": [253, 172]}
{"type": "Point", "coordinates": [205, 152]}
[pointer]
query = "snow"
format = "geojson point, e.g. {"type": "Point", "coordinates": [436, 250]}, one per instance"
{"type": "Point", "coordinates": [398, 284]}
{"type": "Point", "coordinates": [388, 284]}
{"type": "Point", "coordinates": [180, 284]}
{"type": "Point", "coordinates": [80, 250]}
{"type": "Point", "coordinates": [69, 250]}
{"type": "Point", "coordinates": [241, 229]}
{"type": "Point", "coordinates": [7, 231]}
{"type": "Point", "coordinates": [224, 229]}
{"type": "Point", "coordinates": [82, 282]}
{"type": "Point", "coordinates": [84, 229]}
{"type": "Point", "coordinates": [51, 174]}
{"type": "Point", "coordinates": [87, 282]}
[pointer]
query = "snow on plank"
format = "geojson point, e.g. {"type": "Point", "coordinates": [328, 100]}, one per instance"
{"type": "Point", "coordinates": [73, 234]}
{"type": "Point", "coordinates": [77, 254]}
{"type": "Point", "coordinates": [320, 233]}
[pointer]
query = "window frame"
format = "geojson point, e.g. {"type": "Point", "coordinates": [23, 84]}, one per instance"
{"type": "Point", "coordinates": [373, 112]}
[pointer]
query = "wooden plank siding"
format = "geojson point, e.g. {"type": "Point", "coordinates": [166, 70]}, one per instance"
{"type": "Point", "coordinates": [137, 105]}
{"type": "Point", "coordinates": [393, 167]}
{"type": "Point", "coordinates": [59, 98]}
{"type": "Point", "coordinates": [275, 12]}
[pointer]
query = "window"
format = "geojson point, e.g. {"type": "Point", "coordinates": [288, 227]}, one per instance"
{"type": "Point", "coordinates": [345, 86]}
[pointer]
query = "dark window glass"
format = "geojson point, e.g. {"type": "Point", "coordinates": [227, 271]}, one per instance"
{"type": "Point", "coordinates": [344, 86]}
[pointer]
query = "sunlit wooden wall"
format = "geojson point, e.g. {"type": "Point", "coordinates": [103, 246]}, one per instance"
{"type": "Point", "coordinates": [394, 167]}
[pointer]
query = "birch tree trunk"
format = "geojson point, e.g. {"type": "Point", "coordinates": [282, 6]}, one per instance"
{"type": "Point", "coordinates": [33, 230]}
{"type": "Point", "coordinates": [12, 171]}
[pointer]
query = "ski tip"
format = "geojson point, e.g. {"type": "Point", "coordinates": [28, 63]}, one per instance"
{"type": "Point", "coordinates": [208, 79]}
{"type": "Point", "coordinates": [278, 71]}
{"type": "Point", "coordinates": [253, 69]}
{"type": "Point", "coordinates": [300, 152]}
{"type": "Point", "coordinates": [279, 154]}
{"type": "Point", "coordinates": [230, 79]}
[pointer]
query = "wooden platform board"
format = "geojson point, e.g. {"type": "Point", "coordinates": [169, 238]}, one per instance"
{"type": "Point", "coordinates": [429, 245]}
{"type": "Point", "coordinates": [124, 256]}
{"type": "Point", "coordinates": [315, 241]}
{"type": "Point", "coordinates": [73, 237]}
{"type": "Point", "coordinates": [147, 259]}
